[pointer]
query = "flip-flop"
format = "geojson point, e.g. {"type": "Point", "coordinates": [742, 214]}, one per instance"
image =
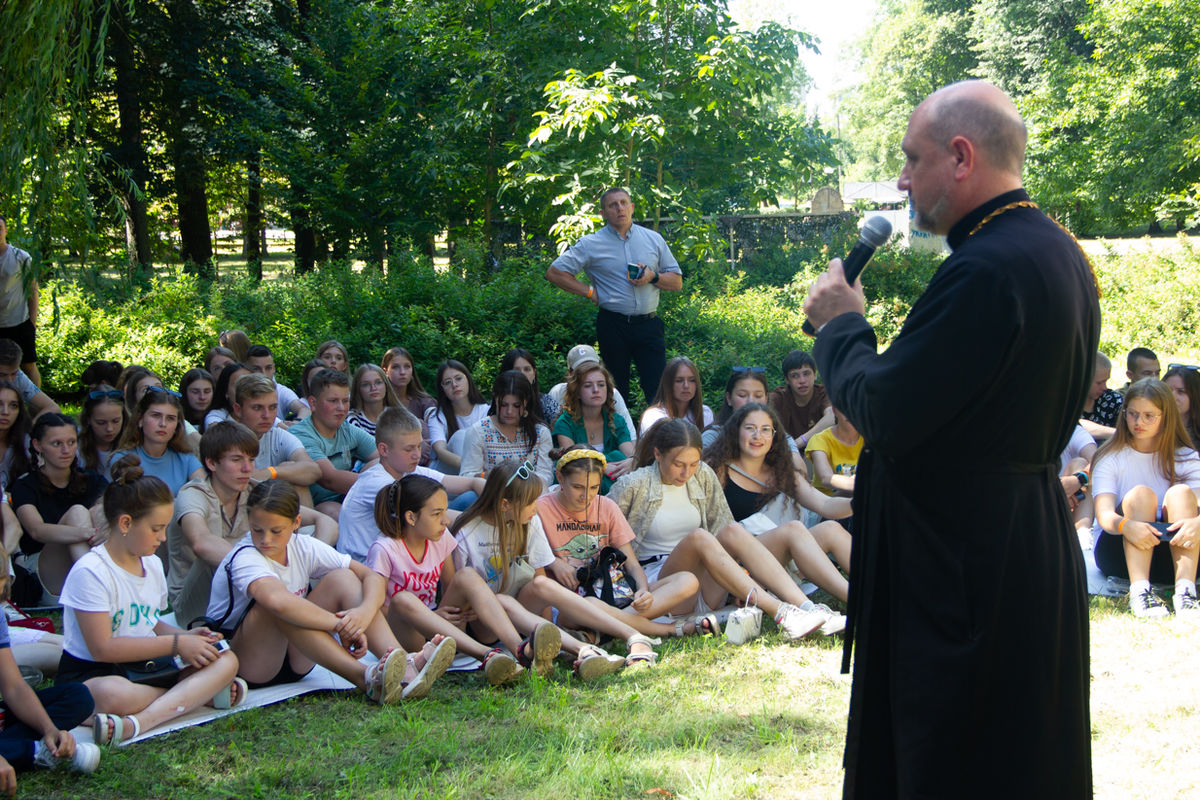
{"type": "Point", "coordinates": [224, 698]}
{"type": "Point", "coordinates": [593, 662]}
{"type": "Point", "coordinates": [101, 734]}
{"type": "Point", "coordinates": [435, 664]}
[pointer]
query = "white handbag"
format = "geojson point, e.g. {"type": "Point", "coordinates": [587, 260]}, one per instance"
{"type": "Point", "coordinates": [745, 623]}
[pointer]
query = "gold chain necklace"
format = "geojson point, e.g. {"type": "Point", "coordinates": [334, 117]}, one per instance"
{"type": "Point", "coordinates": [1031, 204]}
{"type": "Point", "coordinates": [999, 211]}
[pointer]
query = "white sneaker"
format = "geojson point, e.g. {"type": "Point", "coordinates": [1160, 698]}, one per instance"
{"type": "Point", "coordinates": [86, 758]}
{"type": "Point", "coordinates": [834, 622]}
{"type": "Point", "coordinates": [1186, 606]}
{"type": "Point", "coordinates": [796, 623]}
{"type": "Point", "coordinates": [1147, 605]}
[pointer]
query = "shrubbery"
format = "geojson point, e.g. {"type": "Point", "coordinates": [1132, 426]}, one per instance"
{"type": "Point", "coordinates": [721, 320]}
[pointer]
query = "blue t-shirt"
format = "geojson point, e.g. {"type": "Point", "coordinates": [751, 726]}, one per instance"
{"type": "Point", "coordinates": [348, 445]}
{"type": "Point", "coordinates": [4, 640]}
{"type": "Point", "coordinates": [172, 468]}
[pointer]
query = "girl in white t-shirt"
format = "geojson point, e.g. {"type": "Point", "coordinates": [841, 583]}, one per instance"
{"type": "Point", "coordinates": [262, 602]}
{"type": "Point", "coordinates": [415, 553]}
{"type": "Point", "coordinates": [501, 537]}
{"type": "Point", "coordinates": [112, 600]}
{"type": "Point", "coordinates": [1146, 475]}
{"type": "Point", "coordinates": [679, 396]}
{"type": "Point", "coordinates": [459, 406]}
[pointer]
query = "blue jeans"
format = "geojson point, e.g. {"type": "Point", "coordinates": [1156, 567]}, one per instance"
{"type": "Point", "coordinates": [463, 501]}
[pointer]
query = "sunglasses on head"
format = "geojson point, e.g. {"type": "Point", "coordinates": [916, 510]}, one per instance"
{"type": "Point", "coordinates": [162, 390]}
{"type": "Point", "coordinates": [524, 472]}
{"type": "Point", "coordinates": [749, 369]}
{"type": "Point", "coordinates": [105, 394]}
{"type": "Point", "coordinates": [1183, 366]}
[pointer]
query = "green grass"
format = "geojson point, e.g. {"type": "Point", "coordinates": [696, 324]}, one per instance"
{"type": "Point", "coordinates": [766, 720]}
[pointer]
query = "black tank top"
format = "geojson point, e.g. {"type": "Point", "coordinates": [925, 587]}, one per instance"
{"type": "Point", "coordinates": [743, 502]}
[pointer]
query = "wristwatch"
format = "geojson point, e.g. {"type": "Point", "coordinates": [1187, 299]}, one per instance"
{"type": "Point", "coordinates": [655, 278]}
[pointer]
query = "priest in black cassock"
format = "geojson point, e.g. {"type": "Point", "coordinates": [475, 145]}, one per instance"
{"type": "Point", "coordinates": [968, 602]}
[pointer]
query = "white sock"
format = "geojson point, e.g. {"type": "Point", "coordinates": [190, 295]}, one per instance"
{"type": "Point", "coordinates": [1137, 587]}
{"type": "Point", "coordinates": [1185, 586]}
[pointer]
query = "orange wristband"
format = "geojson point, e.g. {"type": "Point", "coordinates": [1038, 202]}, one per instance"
{"type": "Point", "coordinates": [1121, 524]}
{"type": "Point", "coordinates": [273, 472]}
{"type": "Point", "coordinates": [591, 291]}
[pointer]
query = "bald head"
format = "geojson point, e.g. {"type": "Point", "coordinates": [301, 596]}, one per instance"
{"type": "Point", "coordinates": [980, 112]}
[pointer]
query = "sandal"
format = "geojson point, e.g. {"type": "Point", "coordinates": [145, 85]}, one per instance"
{"type": "Point", "coordinates": [544, 645]}
{"type": "Point", "coordinates": [594, 661]}
{"type": "Point", "coordinates": [437, 661]}
{"type": "Point", "coordinates": [649, 659]}
{"type": "Point", "coordinates": [103, 734]}
{"type": "Point", "coordinates": [224, 698]}
{"type": "Point", "coordinates": [702, 625]}
{"type": "Point", "coordinates": [500, 668]}
{"type": "Point", "coordinates": [385, 678]}
{"type": "Point", "coordinates": [707, 624]}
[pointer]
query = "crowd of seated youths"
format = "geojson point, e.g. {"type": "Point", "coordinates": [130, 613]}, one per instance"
{"type": "Point", "coordinates": [362, 512]}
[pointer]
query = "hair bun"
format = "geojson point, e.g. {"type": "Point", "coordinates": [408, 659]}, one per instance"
{"type": "Point", "coordinates": [127, 470]}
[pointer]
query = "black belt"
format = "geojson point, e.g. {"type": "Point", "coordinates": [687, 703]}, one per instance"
{"type": "Point", "coordinates": [631, 317]}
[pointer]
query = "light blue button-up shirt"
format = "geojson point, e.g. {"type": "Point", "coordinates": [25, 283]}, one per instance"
{"type": "Point", "coordinates": [605, 256]}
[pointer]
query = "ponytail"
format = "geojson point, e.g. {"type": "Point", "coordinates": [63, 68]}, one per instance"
{"type": "Point", "coordinates": [409, 493]}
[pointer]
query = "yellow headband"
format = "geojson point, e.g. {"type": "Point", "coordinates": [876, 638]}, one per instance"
{"type": "Point", "coordinates": [575, 455]}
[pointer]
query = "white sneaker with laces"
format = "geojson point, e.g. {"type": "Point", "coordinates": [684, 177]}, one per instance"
{"type": "Point", "coordinates": [834, 622]}
{"type": "Point", "coordinates": [1148, 605]}
{"type": "Point", "coordinates": [796, 623]}
{"type": "Point", "coordinates": [1186, 605]}
{"type": "Point", "coordinates": [86, 758]}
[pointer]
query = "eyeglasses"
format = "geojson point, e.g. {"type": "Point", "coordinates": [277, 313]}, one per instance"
{"type": "Point", "coordinates": [162, 390]}
{"type": "Point", "coordinates": [1134, 416]}
{"type": "Point", "coordinates": [524, 472]}
{"type": "Point", "coordinates": [766, 430]}
{"type": "Point", "coordinates": [106, 394]}
{"type": "Point", "coordinates": [749, 369]}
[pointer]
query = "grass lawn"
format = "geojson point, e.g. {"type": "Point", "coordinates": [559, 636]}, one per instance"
{"type": "Point", "coordinates": [765, 720]}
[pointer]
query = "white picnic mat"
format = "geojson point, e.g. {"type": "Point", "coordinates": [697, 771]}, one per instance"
{"type": "Point", "coordinates": [319, 680]}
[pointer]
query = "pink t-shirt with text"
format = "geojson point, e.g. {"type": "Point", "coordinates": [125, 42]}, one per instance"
{"type": "Point", "coordinates": [391, 559]}
{"type": "Point", "coordinates": [579, 537]}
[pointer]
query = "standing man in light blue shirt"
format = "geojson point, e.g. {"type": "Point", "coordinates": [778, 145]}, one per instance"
{"type": "Point", "coordinates": [628, 265]}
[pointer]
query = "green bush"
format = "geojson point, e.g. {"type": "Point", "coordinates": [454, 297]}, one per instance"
{"type": "Point", "coordinates": [166, 326]}
{"type": "Point", "coordinates": [720, 320]}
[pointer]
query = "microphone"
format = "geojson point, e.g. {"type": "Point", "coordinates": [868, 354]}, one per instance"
{"type": "Point", "coordinates": [874, 234]}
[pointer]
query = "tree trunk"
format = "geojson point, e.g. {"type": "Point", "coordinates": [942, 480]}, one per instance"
{"type": "Point", "coordinates": [130, 155]}
{"type": "Point", "coordinates": [253, 222]}
{"type": "Point", "coordinates": [187, 154]}
{"type": "Point", "coordinates": [305, 237]}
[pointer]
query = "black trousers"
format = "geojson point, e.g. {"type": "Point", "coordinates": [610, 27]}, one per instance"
{"type": "Point", "coordinates": [641, 342]}
{"type": "Point", "coordinates": [67, 704]}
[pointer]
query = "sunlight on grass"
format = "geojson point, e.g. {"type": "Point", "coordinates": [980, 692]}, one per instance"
{"type": "Point", "coordinates": [765, 720]}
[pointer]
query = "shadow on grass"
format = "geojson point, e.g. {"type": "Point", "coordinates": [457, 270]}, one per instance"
{"type": "Point", "coordinates": [709, 721]}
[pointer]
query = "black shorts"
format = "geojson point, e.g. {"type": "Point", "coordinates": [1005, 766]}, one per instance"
{"type": "Point", "coordinates": [77, 670]}
{"type": "Point", "coordinates": [24, 335]}
{"type": "Point", "coordinates": [1109, 553]}
{"type": "Point", "coordinates": [285, 674]}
